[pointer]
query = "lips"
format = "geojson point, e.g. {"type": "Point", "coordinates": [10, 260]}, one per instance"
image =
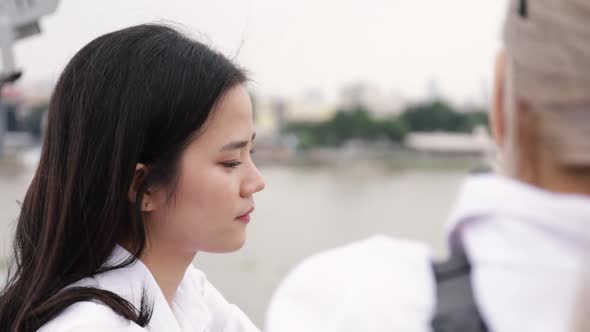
{"type": "Point", "coordinates": [245, 218]}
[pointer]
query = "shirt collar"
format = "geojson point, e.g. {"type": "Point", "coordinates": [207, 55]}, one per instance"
{"type": "Point", "coordinates": [131, 281]}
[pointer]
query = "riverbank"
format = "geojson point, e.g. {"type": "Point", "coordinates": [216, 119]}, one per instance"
{"type": "Point", "coordinates": [387, 159]}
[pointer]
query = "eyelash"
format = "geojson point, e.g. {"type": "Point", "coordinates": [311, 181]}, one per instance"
{"type": "Point", "coordinates": [231, 164]}
{"type": "Point", "coordinates": [234, 164]}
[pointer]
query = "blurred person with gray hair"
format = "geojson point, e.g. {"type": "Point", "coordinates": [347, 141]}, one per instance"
{"type": "Point", "coordinates": [519, 239]}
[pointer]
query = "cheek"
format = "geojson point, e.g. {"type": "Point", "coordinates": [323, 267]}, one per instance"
{"type": "Point", "coordinates": [202, 218]}
{"type": "Point", "coordinates": [201, 215]}
{"type": "Point", "coordinates": [206, 193]}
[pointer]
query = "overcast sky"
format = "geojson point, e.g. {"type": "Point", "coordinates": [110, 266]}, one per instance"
{"type": "Point", "coordinates": [291, 47]}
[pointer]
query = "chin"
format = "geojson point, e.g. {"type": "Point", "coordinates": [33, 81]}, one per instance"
{"type": "Point", "coordinates": [231, 245]}
{"type": "Point", "coordinates": [238, 246]}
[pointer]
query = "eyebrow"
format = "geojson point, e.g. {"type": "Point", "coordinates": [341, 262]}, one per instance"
{"type": "Point", "coordinates": [236, 145]}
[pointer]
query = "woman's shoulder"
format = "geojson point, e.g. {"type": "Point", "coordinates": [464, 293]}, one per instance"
{"type": "Point", "coordinates": [91, 317]}
{"type": "Point", "coordinates": [380, 280]}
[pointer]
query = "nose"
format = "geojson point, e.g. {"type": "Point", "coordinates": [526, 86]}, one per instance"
{"type": "Point", "coordinates": [253, 184]}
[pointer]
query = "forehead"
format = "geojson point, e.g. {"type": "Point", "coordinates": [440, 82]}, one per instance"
{"type": "Point", "coordinates": [231, 117]}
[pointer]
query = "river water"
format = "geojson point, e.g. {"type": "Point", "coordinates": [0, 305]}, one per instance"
{"type": "Point", "coordinates": [302, 211]}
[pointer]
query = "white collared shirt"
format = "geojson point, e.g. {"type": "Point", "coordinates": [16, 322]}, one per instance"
{"type": "Point", "coordinates": [197, 305]}
{"type": "Point", "coordinates": [529, 249]}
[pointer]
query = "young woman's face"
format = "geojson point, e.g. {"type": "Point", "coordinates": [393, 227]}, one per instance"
{"type": "Point", "coordinates": [217, 179]}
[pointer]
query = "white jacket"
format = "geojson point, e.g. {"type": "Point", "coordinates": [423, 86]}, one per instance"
{"type": "Point", "coordinates": [529, 250]}
{"type": "Point", "coordinates": [197, 306]}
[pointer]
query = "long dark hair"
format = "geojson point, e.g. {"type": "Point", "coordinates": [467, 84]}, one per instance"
{"type": "Point", "coordinates": [137, 95]}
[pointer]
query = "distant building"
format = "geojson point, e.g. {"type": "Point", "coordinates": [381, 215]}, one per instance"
{"type": "Point", "coordinates": [367, 96]}
{"type": "Point", "coordinates": [477, 143]}
{"type": "Point", "coordinates": [25, 106]}
{"type": "Point", "coordinates": [273, 114]}
{"type": "Point", "coordinates": [433, 90]}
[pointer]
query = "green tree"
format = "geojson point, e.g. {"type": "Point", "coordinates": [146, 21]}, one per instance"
{"type": "Point", "coordinates": [440, 116]}
{"type": "Point", "coordinates": [345, 125]}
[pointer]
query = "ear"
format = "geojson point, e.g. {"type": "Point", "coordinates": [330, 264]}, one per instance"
{"type": "Point", "coordinates": [497, 113]}
{"type": "Point", "coordinates": [139, 176]}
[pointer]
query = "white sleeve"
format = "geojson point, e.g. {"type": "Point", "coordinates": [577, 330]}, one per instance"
{"type": "Point", "coordinates": [100, 327]}
{"type": "Point", "coordinates": [374, 285]}
{"type": "Point", "coordinates": [89, 317]}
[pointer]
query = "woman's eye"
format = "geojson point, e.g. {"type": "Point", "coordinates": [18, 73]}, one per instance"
{"type": "Point", "coordinates": [231, 164]}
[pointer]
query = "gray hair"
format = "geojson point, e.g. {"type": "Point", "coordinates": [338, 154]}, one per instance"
{"type": "Point", "coordinates": [548, 66]}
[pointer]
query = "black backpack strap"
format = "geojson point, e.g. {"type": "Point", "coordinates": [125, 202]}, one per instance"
{"type": "Point", "coordinates": [456, 310]}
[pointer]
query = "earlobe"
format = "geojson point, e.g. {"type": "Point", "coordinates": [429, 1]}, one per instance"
{"type": "Point", "coordinates": [138, 178]}
{"type": "Point", "coordinates": [146, 206]}
{"type": "Point", "coordinates": [153, 199]}
{"type": "Point", "coordinates": [497, 113]}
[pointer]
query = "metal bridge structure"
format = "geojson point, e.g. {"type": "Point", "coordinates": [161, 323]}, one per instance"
{"type": "Point", "coordinates": [19, 19]}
